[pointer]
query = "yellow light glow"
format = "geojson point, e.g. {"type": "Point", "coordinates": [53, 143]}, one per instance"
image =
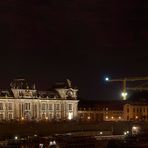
{"type": "Point", "coordinates": [16, 137]}
{"type": "Point", "coordinates": [124, 94]}
{"type": "Point", "coordinates": [70, 116]}
{"type": "Point", "coordinates": [88, 117]}
{"type": "Point", "coordinates": [134, 128]}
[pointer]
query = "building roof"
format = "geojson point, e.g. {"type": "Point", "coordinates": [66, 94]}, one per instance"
{"type": "Point", "coordinates": [108, 105]}
{"type": "Point", "coordinates": [100, 105]}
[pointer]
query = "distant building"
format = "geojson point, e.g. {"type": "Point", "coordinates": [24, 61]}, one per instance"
{"type": "Point", "coordinates": [25, 103]}
{"type": "Point", "coordinates": [113, 111]}
{"type": "Point", "coordinates": [136, 111]}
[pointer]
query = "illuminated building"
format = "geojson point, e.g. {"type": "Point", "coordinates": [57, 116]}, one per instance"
{"type": "Point", "coordinates": [100, 111]}
{"type": "Point", "coordinates": [113, 111]}
{"type": "Point", "coordinates": [25, 103]}
{"type": "Point", "coordinates": [136, 111]}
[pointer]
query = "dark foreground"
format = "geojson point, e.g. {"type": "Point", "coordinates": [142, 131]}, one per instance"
{"type": "Point", "coordinates": [35, 135]}
{"type": "Point", "coordinates": [23, 129]}
{"type": "Point", "coordinates": [69, 141]}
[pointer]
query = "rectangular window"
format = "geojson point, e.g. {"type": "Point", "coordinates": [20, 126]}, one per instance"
{"type": "Point", "coordinates": [43, 106]}
{"type": "Point", "coordinates": [43, 116]}
{"type": "Point", "coordinates": [137, 110]}
{"type": "Point", "coordinates": [1, 117]}
{"type": "Point", "coordinates": [9, 106]}
{"type": "Point", "coordinates": [57, 106]}
{"type": "Point", "coordinates": [57, 116]}
{"type": "Point", "coordinates": [50, 106]}
{"type": "Point", "coordinates": [10, 116]}
{"type": "Point", "coordinates": [127, 117]}
{"type": "Point", "coordinates": [128, 110]}
{"type": "Point", "coordinates": [27, 106]}
{"type": "Point", "coordinates": [1, 106]}
{"type": "Point", "coordinates": [69, 106]}
{"type": "Point", "coordinates": [50, 116]}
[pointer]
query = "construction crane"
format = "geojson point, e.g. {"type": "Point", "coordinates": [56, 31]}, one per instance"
{"type": "Point", "coordinates": [124, 84]}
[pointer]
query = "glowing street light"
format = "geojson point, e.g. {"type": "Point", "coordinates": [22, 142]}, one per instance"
{"type": "Point", "coordinates": [124, 95]}
{"type": "Point", "coordinates": [16, 137]}
{"type": "Point", "coordinates": [107, 79]}
{"type": "Point", "coordinates": [136, 129]}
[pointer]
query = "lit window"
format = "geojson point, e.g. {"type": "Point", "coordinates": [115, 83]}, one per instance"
{"type": "Point", "coordinates": [106, 117]}
{"type": "Point", "coordinates": [70, 116]}
{"type": "Point", "coordinates": [1, 106]}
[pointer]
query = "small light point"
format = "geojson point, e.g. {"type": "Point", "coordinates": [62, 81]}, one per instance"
{"type": "Point", "coordinates": [106, 79]}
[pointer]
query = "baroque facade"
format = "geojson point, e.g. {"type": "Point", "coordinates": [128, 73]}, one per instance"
{"type": "Point", "coordinates": [23, 103]}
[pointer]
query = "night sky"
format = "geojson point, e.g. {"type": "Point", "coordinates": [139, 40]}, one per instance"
{"type": "Point", "coordinates": [84, 40]}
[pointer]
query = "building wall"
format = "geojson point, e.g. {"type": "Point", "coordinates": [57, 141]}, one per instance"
{"type": "Point", "coordinates": [129, 112]}
{"type": "Point", "coordinates": [86, 115]}
{"type": "Point", "coordinates": [38, 109]}
{"type": "Point", "coordinates": [113, 115]}
{"type": "Point", "coordinates": [136, 112]}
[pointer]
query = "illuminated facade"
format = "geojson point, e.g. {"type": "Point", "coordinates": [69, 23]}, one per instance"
{"type": "Point", "coordinates": [114, 111]}
{"type": "Point", "coordinates": [101, 111]}
{"type": "Point", "coordinates": [136, 111]}
{"type": "Point", "coordinates": [22, 103]}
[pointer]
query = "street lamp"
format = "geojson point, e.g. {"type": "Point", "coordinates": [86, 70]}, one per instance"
{"type": "Point", "coordinates": [124, 95]}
